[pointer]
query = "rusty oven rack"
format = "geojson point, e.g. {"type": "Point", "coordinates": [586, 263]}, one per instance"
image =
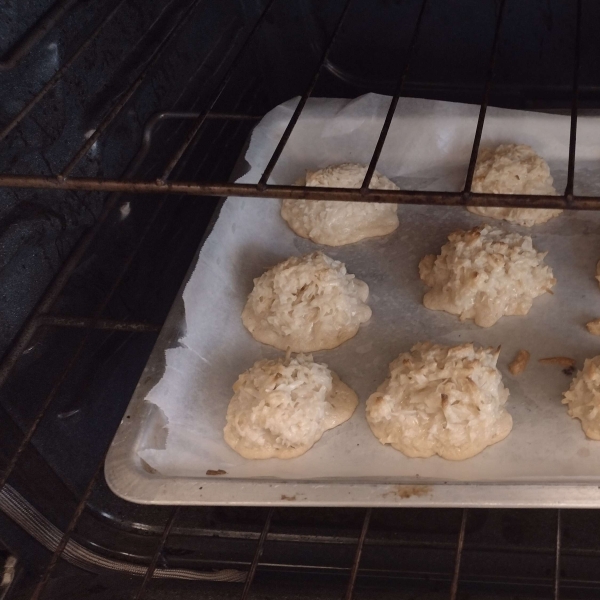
{"type": "Point", "coordinates": [164, 185]}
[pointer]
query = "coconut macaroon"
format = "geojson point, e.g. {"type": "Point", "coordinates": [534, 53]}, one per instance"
{"type": "Point", "coordinates": [485, 273]}
{"type": "Point", "coordinates": [281, 408]}
{"type": "Point", "coordinates": [583, 398]}
{"type": "Point", "coordinates": [513, 169]}
{"type": "Point", "coordinates": [441, 400]}
{"type": "Point", "coordinates": [306, 304]}
{"type": "Point", "coordinates": [337, 223]}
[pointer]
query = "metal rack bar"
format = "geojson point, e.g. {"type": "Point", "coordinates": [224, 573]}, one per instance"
{"type": "Point", "coordinates": [161, 116]}
{"type": "Point", "coordinates": [357, 555]}
{"type": "Point", "coordinates": [394, 103]}
{"type": "Point", "coordinates": [233, 116]}
{"type": "Point", "coordinates": [41, 28]}
{"type": "Point", "coordinates": [59, 74]}
{"type": "Point", "coordinates": [484, 102]}
{"type": "Point", "coordinates": [557, 556]}
{"type": "Point", "coordinates": [88, 323]}
{"type": "Point", "coordinates": [257, 554]}
{"type": "Point", "coordinates": [184, 115]}
{"type": "Point", "coordinates": [574, 106]}
{"type": "Point", "coordinates": [193, 188]}
{"type": "Point", "coordinates": [157, 553]}
{"type": "Point", "coordinates": [202, 117]}
{"type": "Point", "coordinates": [303, 100]}
{"type": "Point", "coordinates": [120, 104]}
{"type": "Point", "coordinates": [459, 550]}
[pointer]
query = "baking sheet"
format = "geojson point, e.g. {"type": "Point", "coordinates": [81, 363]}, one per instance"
{"type": "Point", "coordinates": [428, 148]}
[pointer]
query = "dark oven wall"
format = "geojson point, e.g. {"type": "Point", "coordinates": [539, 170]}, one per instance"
{"type": "Point", "coordinates": [104, 269]}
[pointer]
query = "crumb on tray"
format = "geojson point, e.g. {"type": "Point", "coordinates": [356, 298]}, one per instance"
{"type": "Point", "coordinates": [562, 361]}
{"type": "Point", "coordinates": [519, 364]}
{"type": "Point", "coordinates": [594, 327]}
{"type": "Point", "coordinates": [217, 472]}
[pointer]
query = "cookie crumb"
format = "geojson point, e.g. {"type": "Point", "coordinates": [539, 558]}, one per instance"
{"type": "Point", "coordinates": [563, 361]}
{"type": "Point", "coordinates": [593, 327]}
{"type": "Point", "coordinates": [217, 472]}
{"type": "Point", "coordinates": [519, 364]}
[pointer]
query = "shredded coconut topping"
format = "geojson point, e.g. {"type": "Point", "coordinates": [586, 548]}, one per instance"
{"type": "Point", "coordinates": [513, 169]}
{"type": "Point", "coordinates": [337, 223]}
{"type": "Point", "coordinates": [280, 408]}
{"type": "Point", "coordinates": [485, 273]}
{"type": "Point", "coordinates": [583, 398]}
{"type": "Point", "coordinates": [306, 304]}
{"type": "Point", "coordinates": [441, 400]}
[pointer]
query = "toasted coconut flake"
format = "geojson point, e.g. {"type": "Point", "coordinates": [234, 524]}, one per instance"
{"type": "Point", "coordinates": [519, 364]}
{"type": "Point", "coordinates": [594, 327]}
{"type": "Point", "coordinates": [563, 361]}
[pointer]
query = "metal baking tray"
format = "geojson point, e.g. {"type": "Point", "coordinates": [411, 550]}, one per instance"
{"type": "Point", "coordinates": [545, 462]}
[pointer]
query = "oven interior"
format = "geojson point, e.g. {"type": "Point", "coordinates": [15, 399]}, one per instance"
{"type": "Point", "coordinates": [87, 278]}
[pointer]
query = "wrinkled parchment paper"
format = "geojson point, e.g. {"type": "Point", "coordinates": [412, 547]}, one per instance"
{"type": "Point", "coordinates": [428, 147]}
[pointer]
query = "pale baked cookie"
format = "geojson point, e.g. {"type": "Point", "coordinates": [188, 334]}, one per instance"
{"type": "Point", "coordinates": [337, 223]}
{"type": "Point", "coordinates": [441, 400]}
{"type": "Point", "coordinates": [306, 304]}
{"type": "Point", "coordinates": [485, 273]}
{"type": "Point", "coordinates": [280, 408]}
{"type": "Point", "coordinates": [583, 398]}
{"type": "Point", "coordinates": [513, 169]}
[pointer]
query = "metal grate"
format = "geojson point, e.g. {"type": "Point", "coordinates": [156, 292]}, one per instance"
{"type": "Point", "coordinates": [164, 184]}
{"type": "Point", "coordinates": [44, 319]}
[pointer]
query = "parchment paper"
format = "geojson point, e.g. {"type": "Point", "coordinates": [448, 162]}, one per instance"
{"type": "Point", "coordinates": [428, 148]}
